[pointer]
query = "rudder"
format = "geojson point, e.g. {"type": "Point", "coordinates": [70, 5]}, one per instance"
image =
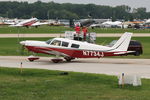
{"type": "Point", "coordinates": [123, 43]}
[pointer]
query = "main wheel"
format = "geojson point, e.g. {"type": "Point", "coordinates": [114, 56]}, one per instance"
{"type": "Point", "coordinates": [57, 60]}
{"type": "Point", "coordinates": [68, 59]}
{"type": "Point", "coordinates": [137, 53]}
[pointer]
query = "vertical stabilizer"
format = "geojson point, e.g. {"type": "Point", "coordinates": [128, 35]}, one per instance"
{"type": "Point", "coordinates": [123, 43]}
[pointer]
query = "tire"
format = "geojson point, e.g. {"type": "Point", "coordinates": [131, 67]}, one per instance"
{"type": "Point", "coordinates": [56, 60]}
{"type": "Point", "coordinates": [68, 59]}
{"type": "Point", "coordinates": [137, 53]}
{"type": "Point", "coordinates": [31, 60]}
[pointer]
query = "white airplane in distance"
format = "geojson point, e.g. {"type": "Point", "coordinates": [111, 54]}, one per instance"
{"type": "Point", "coordinates": [147, 21]}
{"type": "Point", "coordinates": [25, 23]}
{"type": "Point", "coordinates": [71, 49]}
{"type": "Point", "coordinates": [10, 21]}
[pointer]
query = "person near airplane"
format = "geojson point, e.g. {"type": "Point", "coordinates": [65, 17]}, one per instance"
{"type": "Point", "coordinates": [84, 30]}
{"type": "Point", "coordinates": [77, 29]}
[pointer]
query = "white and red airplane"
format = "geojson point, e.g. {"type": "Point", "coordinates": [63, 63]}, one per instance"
{"type": "Point", "coordinates": [25, 23]}
{"type": "Point", "coordinates": [71, 49]}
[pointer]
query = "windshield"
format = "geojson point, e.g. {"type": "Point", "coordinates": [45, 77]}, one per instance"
{"type": "Point", "coordinates": [56, 42]}
{"type": "Point", "coordinates": [49, 41]}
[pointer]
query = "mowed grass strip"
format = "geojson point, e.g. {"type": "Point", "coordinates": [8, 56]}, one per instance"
{"type": "Point", "coordinates": [11, 46]}
{"type": "Point", "coordinates": [62, 29]}
{"type": "Point", "coordinates": [40, 29]}
{"type": "Point", "coordinates": [38, 84]}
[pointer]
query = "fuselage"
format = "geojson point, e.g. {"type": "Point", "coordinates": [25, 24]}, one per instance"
{"type": "Point", "coordinates": [70, 48]}
{"type": "Point", "coordinates": [27, 22]}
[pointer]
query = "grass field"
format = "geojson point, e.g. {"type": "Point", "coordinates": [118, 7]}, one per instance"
{"type": "Point", "coordinates": [62, 29]}
{"type": "Point", "coordinates": [41, 29]}
{"type": "Point", "coordinates": [11, 46]}
{"type": "Point", "coordinates": [36, 84]}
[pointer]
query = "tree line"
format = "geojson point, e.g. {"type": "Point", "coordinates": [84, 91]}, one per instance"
{"type": "Point", "coordinates": [52, 10]}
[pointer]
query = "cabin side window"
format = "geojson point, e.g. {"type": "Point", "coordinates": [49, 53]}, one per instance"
{"type": "Point", "coordinates": [65, 44]}
{"type": "Point", "coordinates": [56, 43]}
{"type": "Point", "coordinates": [75, 46]}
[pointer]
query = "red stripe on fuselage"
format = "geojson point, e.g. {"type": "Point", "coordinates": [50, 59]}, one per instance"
{"type": "Point", "coordinates": [75, 53]}
{"type": "Point", "coordinates": [29, 23]}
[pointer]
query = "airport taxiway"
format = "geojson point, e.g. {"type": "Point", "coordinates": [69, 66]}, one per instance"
{"type": "Point", "coordinates": [109, 66]}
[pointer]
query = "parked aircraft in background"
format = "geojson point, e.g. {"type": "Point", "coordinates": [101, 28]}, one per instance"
{"type": "Point", "coordinates": [108, 24]}
{"type": "Point", "coordinates": [147, 21]}
{"type": "Point", "coordinates": [29, 22]}
{"type": "Point", "coordinates": [112, 24]}
{"type": "Point", "coordinates": [87, 22]}
{"type": "Point", "coordinates": [71, 49]}
{"type": "Point", "coordinates": [25, 23]}
{"type": "Point", "coordinates": [9, 22]}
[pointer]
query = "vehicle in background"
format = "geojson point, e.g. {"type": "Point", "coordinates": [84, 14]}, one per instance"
{"type": "Point", "coordinates": [134, 45]}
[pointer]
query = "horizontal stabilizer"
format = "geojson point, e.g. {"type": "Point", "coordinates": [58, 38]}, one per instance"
{"type": "Point", "coordinates": [126, 52]}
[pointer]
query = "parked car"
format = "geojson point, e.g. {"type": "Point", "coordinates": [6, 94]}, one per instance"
{"type": "Point", "coordinates": [133, 46]}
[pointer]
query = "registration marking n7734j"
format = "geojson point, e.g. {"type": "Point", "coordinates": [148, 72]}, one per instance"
{"type": "Point", "coordinates": [93, 53]}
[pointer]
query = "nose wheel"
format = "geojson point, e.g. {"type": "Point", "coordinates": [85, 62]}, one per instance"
{"type": "Point", "coordinates": [33, 58]}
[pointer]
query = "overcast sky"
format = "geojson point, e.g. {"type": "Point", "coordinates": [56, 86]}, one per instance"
{"type": "Point", "coordinates": [131, 3]}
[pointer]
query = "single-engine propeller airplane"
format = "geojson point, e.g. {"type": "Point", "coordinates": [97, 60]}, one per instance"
{"type": "Point", "coordinates": [25, 23]}
{"type": "Point", "coordinates": [71, 49]}
{"type": "Point", "coordinates": [29, 22]}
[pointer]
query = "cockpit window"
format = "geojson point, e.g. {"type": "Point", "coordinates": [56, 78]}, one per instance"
{"type": "Point", "coordinates": [75, 46]}
{"type": "Point", "coordinates": [56, 43]}
{"type": "Point", "coordinates": [49, 41]}
{"type": "Point", "coordinates": [65, 44]}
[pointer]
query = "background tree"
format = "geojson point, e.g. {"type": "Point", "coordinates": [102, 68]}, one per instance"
{"type": "Point", "coordinates": [54, 10]}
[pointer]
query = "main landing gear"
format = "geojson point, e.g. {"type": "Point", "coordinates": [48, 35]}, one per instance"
{"type": "Point", "coordinates": [57, 59]}
{"type": "Point", "coordinates": [68, 59]}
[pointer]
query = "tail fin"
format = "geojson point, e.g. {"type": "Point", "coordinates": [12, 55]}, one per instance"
{"type": "Point", "coordinates": [123, 43]}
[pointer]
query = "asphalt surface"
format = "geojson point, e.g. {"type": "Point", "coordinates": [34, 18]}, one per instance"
{"type": "Point", "coordinates": [62, 34]}
{"type": "Point", "coordinates": [109, 66]}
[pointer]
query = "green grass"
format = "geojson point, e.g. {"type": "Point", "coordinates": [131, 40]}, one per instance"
{"type": "Point", "coordinates": [62, 29]}
{"type": "Point", "coordinates": [11, 46]}
{"type": "Point", "coordinates": [41, 29]}
{"type": "Point", "coordinates": [37, 84]}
